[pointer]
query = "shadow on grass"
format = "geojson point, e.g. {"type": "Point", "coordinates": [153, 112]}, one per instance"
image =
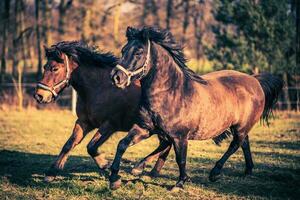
{"type": "Point", "coordinates": [22, 169]}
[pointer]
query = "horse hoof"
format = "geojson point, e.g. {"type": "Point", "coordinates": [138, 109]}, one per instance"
{"type": "Point", "coordinates": [214, 176]}
{"type": "Point", "coordinates": [176, 189]}
{"type": "Point", "coordinates": [136, 171]}
{"type": "Point", "coordinates": [248, 172]}
{"type": "Point", "coordinates": [116, 184]}
{"type": "Point", "coordinates": [49, 179]}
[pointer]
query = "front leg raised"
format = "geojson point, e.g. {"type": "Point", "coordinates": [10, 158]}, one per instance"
{"type": "Point", "coordinates": [103, 133]}
{"type": "Point", "coordinates": [79, 132]}
{"type": "Point", "coordinates": [134, 136]}
{"type": "Point", "coordinates": [161, 152]}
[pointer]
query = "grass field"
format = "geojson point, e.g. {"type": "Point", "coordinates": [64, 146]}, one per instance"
{"type": "Point", "coordinates": [30, 140]}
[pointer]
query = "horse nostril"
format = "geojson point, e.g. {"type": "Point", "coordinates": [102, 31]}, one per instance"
{"type": "Point", "coordinates": [117, 78]}
{"type": "Point", "coordinates": [38, 97]}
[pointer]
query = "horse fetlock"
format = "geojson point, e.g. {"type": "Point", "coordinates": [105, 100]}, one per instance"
{"type": "Point", "coordinates": [214, 174]}
{"type": "Point", "coordinates": [115, 185]}
{"type": "Point", "coordinates": [115, 182]}
{"type": "Point", "coordinates": [178, 186]}
{"type": "Point", "coordinates": [154, 172]}
{"type": "Point", "coordinates": [248, 171]}
{"type": "Point", "coordinates": [53, 171]}
{"type": "Point", "coordinates": [101, 161]}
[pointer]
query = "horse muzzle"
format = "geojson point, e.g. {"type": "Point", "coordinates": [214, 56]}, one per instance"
{"type": "Point", "coordinates": [120, 79]}
{"type": "Point", "coordinates": [43, 96]}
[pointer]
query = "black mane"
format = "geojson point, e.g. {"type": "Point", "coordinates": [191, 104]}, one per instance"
{"type": "Point", "coordinates": [81, 53]}
{"type": "Point", "coordinates": [165, 38]}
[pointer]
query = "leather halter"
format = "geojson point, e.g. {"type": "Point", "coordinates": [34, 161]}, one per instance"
{"type": "Point", "coordinates": [64, 82]}
{"type": "Point", "coordinates": [129, 74]}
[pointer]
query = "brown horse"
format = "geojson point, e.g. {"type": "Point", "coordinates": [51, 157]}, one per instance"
{"type": "Point", "coordinates": [179, 105]}
{"type": "Point", "coordinates": [100, 104]}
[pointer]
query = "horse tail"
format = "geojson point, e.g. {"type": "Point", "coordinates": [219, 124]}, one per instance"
{"type": "Point", "coordinates": [226, 134]}
{"type": "Point", "coordinates": [272, 86]}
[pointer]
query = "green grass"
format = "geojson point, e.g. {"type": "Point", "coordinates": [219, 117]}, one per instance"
{"type": "Point", "coordinates": [30, 141]}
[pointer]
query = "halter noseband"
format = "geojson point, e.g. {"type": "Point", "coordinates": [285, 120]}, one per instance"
{"type": "Point", "coordinates": [129, 74]}
{"type": "Point", "coordinates": [58, 85]}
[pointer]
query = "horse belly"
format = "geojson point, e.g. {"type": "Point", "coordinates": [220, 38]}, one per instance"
{"type": "Point", "coordinates": [209, 128]}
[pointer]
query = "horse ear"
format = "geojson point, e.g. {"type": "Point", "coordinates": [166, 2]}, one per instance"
{"type": "Point", "coordinates": [130, 32]}
{"type": "Point", "coordinates": [46, 48]}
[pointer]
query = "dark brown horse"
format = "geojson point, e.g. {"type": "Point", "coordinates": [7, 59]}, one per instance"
{"type": "Point", "coordinates": [100, 105]}
{"type": "Point", "coordinates": [179, 105]}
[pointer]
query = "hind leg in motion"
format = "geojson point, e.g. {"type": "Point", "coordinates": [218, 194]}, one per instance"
{"type": "Point", "coordinates": [160, 152]}
{"type": "Point", "coordinates": [238, 139]}
{"type": "Point", "coordinates": [134, 136]}
{"type": "Point", "coordinates": [79, 132]}
{"type": "Point", "coordinates": [160, 161]}
{"type": "Point", "coordinates": [103, 133]}
{"type": "Point", "coordinates": [247, 155]}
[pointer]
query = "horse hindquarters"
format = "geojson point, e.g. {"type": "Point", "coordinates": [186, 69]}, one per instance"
{"type": "Point", "coordinates": [271, 86]}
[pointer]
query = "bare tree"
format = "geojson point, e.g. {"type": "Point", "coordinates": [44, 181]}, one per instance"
{"type": "Point", "coordinates": [150, 7]}
{"type": "Point", "coordinates": [185, 24]}
{"type": "Point", "coordinates": [38, 39]}
{"type": "Point", "coordinates": [62, 8]}
{"type": "Point", "coordinates": [169, 12]}
{"type": "Point", "coordinates": [5, 23]}
{"type": "Point", "coordinates": [46, 25]}
{"type": "Point", "coordinates": [16, 40]}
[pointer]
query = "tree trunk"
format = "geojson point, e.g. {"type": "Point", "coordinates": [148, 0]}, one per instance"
{"type": "Point", "coordinates": [150, 5]}
{"type": "Point", "coordinates": [198, 37]}
{"type": "Point", "coordinates": [62, 8]}
{"type": "Point", "coordinates": [117, 22]}
{"type": "Point", "coordinates": [46, 27]}
{"type": "Point", "coordinates": [16, 40]}
{"type": "Point", "coordinates": [185, 24]}
{"type": "Point", "coordinates": [61, 18]}
{"type": "Point", "coordinates": [38, 39]}
{"type": "Point", "coordinates": [154, 10]}
{"type": "Point", "coordinates": [23, 36]}
{"type": "Point", "coordinates": [298, 48]}
{"type": "Point", "coordinates": [145, 13]}
{"type": "Point", "coordinates": [169, 11]}
{"type": "Point", "coordinates": [5, 23]}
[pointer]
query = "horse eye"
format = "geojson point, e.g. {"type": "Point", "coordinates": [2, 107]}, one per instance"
{"type": "Point", "coordinates": [54, 69]}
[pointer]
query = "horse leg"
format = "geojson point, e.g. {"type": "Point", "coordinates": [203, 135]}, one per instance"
{"type": "Point", "coordinates": [233, 147]}
{"type": "Point", "coordinates": [160, 161]}
{"type": "Point", "coordinates": [180, 147]}
{"type": "Point", "coordinates": [134, 136]}
{"type": "Point", "coordinates": [103, 133]}
{"type": "Point", "coordinates": [139, 168]}
{"type": "Point", "coordinates": [79, 132]}
{"type": "Point", "coordinates": [247, 155]}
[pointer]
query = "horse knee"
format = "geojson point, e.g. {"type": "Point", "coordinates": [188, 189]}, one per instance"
{"type": "Point", "coordinates": [92, 150]}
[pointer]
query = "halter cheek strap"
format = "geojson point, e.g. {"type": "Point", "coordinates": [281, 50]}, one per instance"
{"type": "Point", "coordinates": [142, 69]}
{"type": "Point", "coordinates": [64, 82]}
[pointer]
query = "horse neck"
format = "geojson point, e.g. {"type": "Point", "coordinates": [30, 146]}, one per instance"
{"type": "Point", "coordinates": [164, 75]}
{"type": "Point", "coordinates": [89, 78]}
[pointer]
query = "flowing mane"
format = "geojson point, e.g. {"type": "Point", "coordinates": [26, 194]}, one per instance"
{"type": "Point", "coordinates": [165, 39]}
{"type": "Point", "coordinates": [81, 53]}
